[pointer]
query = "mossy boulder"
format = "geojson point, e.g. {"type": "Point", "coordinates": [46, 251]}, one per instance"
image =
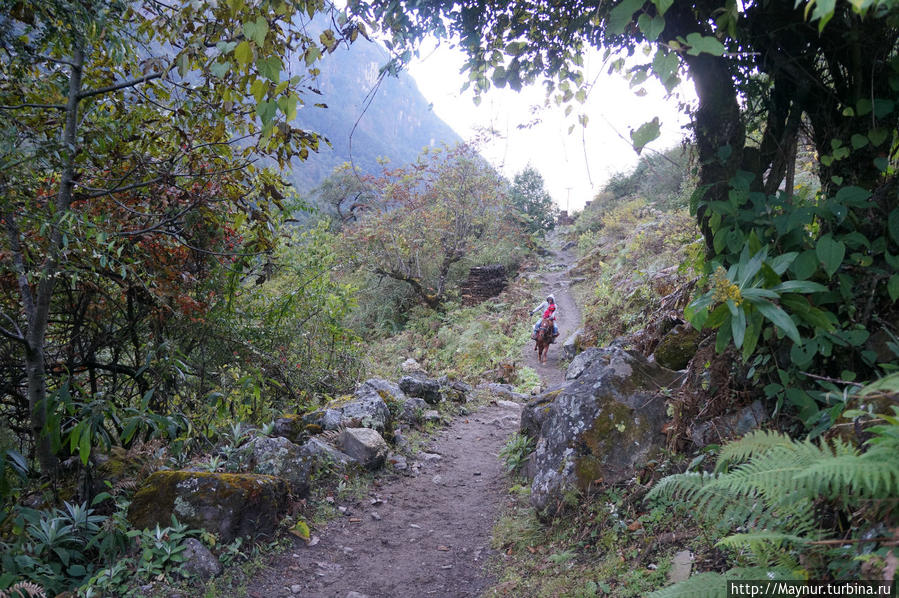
{"type": "Point", "coordinates": [281, 458]}
{"type": "Point", "coordinates": [677, 347]}
{"type": "Point", "coordinates": [422, 388]}
{"type": "Point", "coordinates": [228, 504]}
{"type": "Point", "coordinates": [602, 427]}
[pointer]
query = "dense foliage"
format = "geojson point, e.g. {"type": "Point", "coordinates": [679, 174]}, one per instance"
{"type": "Point", "coordinates": [532, 201]}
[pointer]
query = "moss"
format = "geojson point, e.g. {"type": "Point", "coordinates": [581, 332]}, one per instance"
{"type": "Point", "coordinates": [677, 348]}
{"type": "Point", "coordinates": [613, 428]}
{"type": "Point", "coordinates": [313, 428]}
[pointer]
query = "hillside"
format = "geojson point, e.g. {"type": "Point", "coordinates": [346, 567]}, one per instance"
{"type": "Point", "coordinates": [397, 124]}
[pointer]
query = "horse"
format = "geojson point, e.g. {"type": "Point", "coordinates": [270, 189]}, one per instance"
{"type": "Point", "coordinates": [544, 339]}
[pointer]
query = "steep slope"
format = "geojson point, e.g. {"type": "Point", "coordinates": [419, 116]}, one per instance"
{"type": "Point", "coordinates": [397, 124]}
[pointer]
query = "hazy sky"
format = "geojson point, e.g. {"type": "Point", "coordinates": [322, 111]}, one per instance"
{"type": "Point", "coordinates": [574, 166]}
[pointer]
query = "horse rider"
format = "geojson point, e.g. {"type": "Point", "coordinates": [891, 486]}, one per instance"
{"type": "Point", "coordinates": [550, 310]}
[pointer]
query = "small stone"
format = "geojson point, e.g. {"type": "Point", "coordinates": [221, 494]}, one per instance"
{"type": "Point", "coordinates": [375, 516]}
{"type": "Point", "coordinates": [446, 566]}
{"type": "Point", "coordinates": [342, 509]}
{"type": "Point", "coordinates": [296, 588]}
{"type": "Point", "coordinates": [415, 525]}
{"type": "Point", "coordinates": [355, 595]}
{"type": "Point", "coordinates": [477, 473]}
{"type": "Point", "coordinates": [437, 479]}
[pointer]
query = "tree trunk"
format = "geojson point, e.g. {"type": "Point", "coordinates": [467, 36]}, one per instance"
{"type": "Point", "coordinates": [37, 307]}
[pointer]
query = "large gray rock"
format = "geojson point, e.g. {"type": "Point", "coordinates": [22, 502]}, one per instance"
{"type": "Point", "coordinates": [199, 561]}
{"type": "Point", "coordinates": [602, 427]}
{"type": "Point", "coordinates": [229, 504]}
{"type": "Point", "coordinates": [422, 388]}
{"type": "Point", "coordinates": [535, 412]}
{"type": "Point", "coordinates": [582, 361]}
{"type": "Point", "coordinates": [365, 446]}
{"type": "Point", "coordinates": [281, 458]}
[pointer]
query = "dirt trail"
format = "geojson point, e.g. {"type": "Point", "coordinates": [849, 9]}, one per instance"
{"type": "Point", "coordinates": [556, 281]}
{"type": "Point", "coordinates": [424, 532]}
{"type": "Point", "coordinates": [416, 535]}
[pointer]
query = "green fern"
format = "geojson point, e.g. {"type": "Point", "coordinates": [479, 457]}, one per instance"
{"type": "Point", "coordinates": [704, 585]}
{"type": "Point", "coordinates": [769, 485]}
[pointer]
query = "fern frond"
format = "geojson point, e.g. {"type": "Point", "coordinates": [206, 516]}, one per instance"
{"type": "Point", "coordinates": [853, 477]}
{"type": "Point", "coordinates": [754, 443]}
{"type": "Point", "coordinates": [703, 585]}
{"type": "Point", "coordinates": [762, 539]}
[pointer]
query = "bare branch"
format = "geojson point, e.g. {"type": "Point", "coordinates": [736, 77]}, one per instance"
{"type": "Point", "coordinates": [124, 84]}
{"type": "Point", "coordinates": [42, 106]}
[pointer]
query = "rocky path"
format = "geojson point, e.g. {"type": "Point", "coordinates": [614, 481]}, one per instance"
{"type": "Point", "coordinates": [420, 533]}
{"type": "Point", "coordinates": [556, 281]}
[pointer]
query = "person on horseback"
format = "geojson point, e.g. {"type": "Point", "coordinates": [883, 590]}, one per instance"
{"type": "Point", "coordinates": [550, 310]}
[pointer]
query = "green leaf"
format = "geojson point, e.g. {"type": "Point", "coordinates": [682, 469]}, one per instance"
{"type": "Point", "coordinates": [893, 287]}
{"type": "Point", "coordinates": [301, 530]}
{"type": "Point", "coordinates": [704, 44]}
{"type": "Point", "coordinates": [782, 262]}
{"type": "Point", "coordinates": [878, 136]}
{"type": "Point", "coordinates": [800, 286]}
{"type": "Point", "coordinates": [858, 141]}
{"type": "Point", "coordinates": [830, 253]}
{"type": "Point", "coordinates": [738, 325]}
{"type": "Point", "coordinates": [723, 338]}
{"type": "Point", "coordinates": [270, 68]}
{"type": "Point", "coordinates": [852, 196]}
{"type": "Point", "coordinates": [312, 54]}
{"type": "Point", "coordinates": [288, 106]}
{"type": "Point", "coordinates": [266, 111]}
{"type": "Point", "coordinates": [756, 294]}
{"type": "Point", "coordinates": [243, 53]}
{"type": "Point", "coordinates": [753, 332]}
{"type": "Point", "coordinates": [697, 311]}
{"type": "Point", "coordinates": [622, 14]}
{"type": "Point", "coordinates": [220, 69]}
{"type": "Point", "coordinates": [779, 318]}
{"type": "Point", "coordinates": [805, 265]}
{"type": "Point", "coordinates": [645, 133]}
{"type": "Point", "coordinates": [256, 31]}
{"type": "Point", "coordinates": [893, 224]}
{"type": "Point", "coordinates": [84, 446]}
{"type": "Point", "coordinates": [651, 26]}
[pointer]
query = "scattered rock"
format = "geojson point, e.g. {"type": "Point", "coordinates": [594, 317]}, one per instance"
{"type": "Point", "coordinates": [506, 391]}
{"type": "Point", "coordinates": [601, 427]}
{"type": "Point", "coordinates": [231, 505]}
{"type": "Point", "coordinates": [398, 462]}
{"type": "Point", "coordinates": [431, 415]}
{"type": "Point", "coordinates": [368, 408]}
{"type": "Point", "coordinates": [281, 458]}
{"type": "Point", "coordinates": [355, 595]}
{"type": "Point", "coordinates": [437, 479]}
{"type": "Point", "coordinates": [364, 445]}
{"type": "Point", "coordinates": [375, 515]}
{"type": "Point", "coordinates": [729, 426]}
{"type": "Point", "coordinates": [291, 426]}
{"type": "Point", "coordinates": [199, 561]}
{"type": "Point", "coordinates": [534, 413]}
{"type": "Point", "coordinates": [509, 405]}
{"type": "Point", "coordinates": [677, 347]}
{"type": "Point", "coordinates": [681, 566]}
{"type": "Point", "coordinates": [410, 367]}
{"type": "Point", "coordinates": [326, 456]}
{"type": "Point", "coordinates": [454, 390]}
{"type": "Point", "coordinates": [414, 409]}
{"type": "Point", "coordinates": [424, 388]}
{"type": "Point", "coordinates": [296, 588]}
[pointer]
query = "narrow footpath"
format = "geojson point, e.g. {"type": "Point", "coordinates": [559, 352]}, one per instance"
{"type": "Point", "coordinates": [556, 280]}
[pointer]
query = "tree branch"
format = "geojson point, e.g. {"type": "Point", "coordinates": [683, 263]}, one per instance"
{"type": "Point", "coordinates": [124, 84]}
{"type": "Point", "coordinates": [20, 106]}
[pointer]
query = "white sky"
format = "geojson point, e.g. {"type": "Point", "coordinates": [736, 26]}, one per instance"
{"type": "Point", "coordinates": [571, 178]}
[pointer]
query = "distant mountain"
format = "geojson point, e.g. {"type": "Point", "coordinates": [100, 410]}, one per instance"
{"type": "Point", "coordinates": [397, 125]}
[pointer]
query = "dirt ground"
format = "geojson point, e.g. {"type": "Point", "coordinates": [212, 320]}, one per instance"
{"type": "Point", "coordinates": [416, 535]}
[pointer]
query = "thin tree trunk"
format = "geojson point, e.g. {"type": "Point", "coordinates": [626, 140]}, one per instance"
{"type": "Point", "coordinates": [37, 307]}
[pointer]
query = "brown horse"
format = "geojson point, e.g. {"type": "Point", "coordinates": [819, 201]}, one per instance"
{"type": "Point", "coordinates": [544, 339]}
